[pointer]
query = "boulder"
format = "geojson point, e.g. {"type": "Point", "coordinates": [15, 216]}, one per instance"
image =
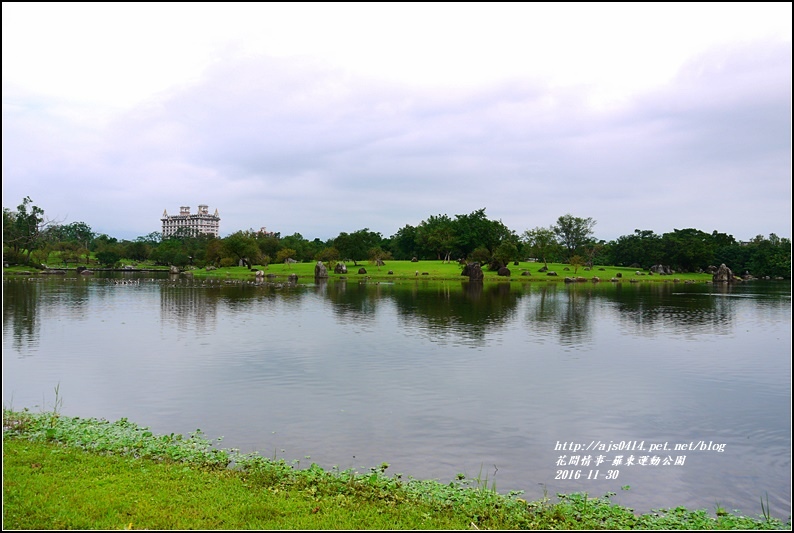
{"type": "Point", "coordinates": [474, 271]}
{"type": "Point", "coordinates": [662, 270]}
{"type": "Point", "coordinates": [293, 278]}
{"type": "Point", "coordinates": [320, 271]}
{"type": "Point", "coordinates": [340, 268]}
{"type": "Point", "coordinates": [504, 271]}
{"type": "Point", "coordinates": [723, 274]}
{"type": "Point", "coordinates": [362, 270]}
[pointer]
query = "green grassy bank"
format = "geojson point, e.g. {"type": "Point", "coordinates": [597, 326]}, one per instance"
{"type": "Point", "coordinates": [71, 473]}
{"type": "Point", "coordinates": [438, 270]}
{"type": "Point", "coordinates": [422, 270]}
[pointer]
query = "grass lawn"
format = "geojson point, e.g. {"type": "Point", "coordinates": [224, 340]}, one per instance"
{"type": "Point", "coordinates": [70, 473]}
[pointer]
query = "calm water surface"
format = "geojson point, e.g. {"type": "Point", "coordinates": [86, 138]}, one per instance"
{"type": "Point", "coordinates": [436, 378]}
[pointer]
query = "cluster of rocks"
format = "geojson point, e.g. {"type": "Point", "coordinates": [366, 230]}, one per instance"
{"type": "Point", "coordinates": [662, 270]}
{"type": "Point", "coordinates": [723, 274]}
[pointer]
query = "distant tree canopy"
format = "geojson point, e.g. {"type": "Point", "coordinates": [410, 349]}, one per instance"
{"type": "Point", "coordinates": [23, 228]}
{"type": "Point", "coordinates": [574, 232]}
{"type": "Point", "coordinates": [28, 237]}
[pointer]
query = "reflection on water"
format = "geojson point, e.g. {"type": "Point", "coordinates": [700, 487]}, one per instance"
{"type": "Point", "coordinates": [434, 378]}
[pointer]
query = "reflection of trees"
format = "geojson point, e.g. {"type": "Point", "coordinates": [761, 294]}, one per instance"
{"type": "Point", "coordinates": [353, 301]}
{"type": "Point", "coordinates": [647, 308]}
{"type": "Point", "coordinates": [564, 311]}
{"type": "Point", "coordinates": [451, 312]}
{"type": "Point", "coordinates": [20, 316]}
{"type": "Point", "coordinates": [27, 302]}
{"type": "Point", "coordinates": [189, 307]}
{"type": "Point", "coordinates": [193, 304]}
{"type": "Point", "coordinates": [678, 308]}
{"type": "Point", "coordinates": [444, 311]}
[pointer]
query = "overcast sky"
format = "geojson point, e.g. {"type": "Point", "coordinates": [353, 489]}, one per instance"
{"type": "Point", "coordinates": [323, 118]}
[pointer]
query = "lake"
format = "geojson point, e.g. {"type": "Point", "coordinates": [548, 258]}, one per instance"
{"type": "Point", "coordinates": [679, 392]}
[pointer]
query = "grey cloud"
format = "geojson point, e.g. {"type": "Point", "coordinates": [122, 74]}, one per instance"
{"type": "Point", "coordinates": [298, 146]}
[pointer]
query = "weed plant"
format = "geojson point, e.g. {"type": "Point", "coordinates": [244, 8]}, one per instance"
{"type": "Point", "coordinates": [72, 473]}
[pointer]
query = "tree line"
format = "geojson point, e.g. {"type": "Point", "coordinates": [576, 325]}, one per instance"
{"type": "Point", "coordinates": [29, 238]}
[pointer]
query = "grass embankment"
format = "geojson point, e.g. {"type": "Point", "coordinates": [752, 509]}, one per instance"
{"type": "Point", "coordinates": [440, 271]}
{"type": "Point", "coordinates": [421, 270]}
{"type": "Point", "coordinates": [71, 473]}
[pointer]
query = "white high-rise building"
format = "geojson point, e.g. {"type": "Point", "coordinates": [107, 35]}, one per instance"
{"type": "Point", "coordinates": [201, 222]}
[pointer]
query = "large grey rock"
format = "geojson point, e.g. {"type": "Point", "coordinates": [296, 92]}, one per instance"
{"type": "Point", "coordinates": [723, 274]}
{"type": "Point", "coordinates": [475, 272]}
{"type": "Point", "coordinates": [320, 271]}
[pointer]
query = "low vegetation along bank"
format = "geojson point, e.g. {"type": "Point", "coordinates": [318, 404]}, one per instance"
{"type": "Point", "coordinates": [408, 270]}
{"type": "Point", "coordinates": [71, 473]}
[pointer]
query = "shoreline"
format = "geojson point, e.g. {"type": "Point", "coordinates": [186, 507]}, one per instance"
{"type": "Point", "coordinates": [134, 457]}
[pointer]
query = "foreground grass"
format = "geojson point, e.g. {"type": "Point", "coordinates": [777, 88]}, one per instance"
{"type": "Point", "coordinates": [71, 473]}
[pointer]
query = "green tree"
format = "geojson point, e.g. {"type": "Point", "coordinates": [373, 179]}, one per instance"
{"type": "Point", "coordinates": [108, 258]}
{"type": "Point", "coordinates": [302, 250]}
{"type": "Point", "coordinates": [214, 252]}
{"type": "Point", "coordinates": [541, 241]}
{"type": "Point", "coordinates": [437, 237]}
{"type": "Point", "coordinates": [101, 241]}
{"type": "Point", "coordinates": [137, 250]}
{"type": "Point", "coordinates": [643, 248]}
{"type": "Point", "coordinates": [242, 246]}
{"type": "Point", "coordinates": [475, 230]}
{"type": "Point", "coordinates": [573, 232]}
{"type": "Point", "coordinates": [770, 257]}
{"type": "Point", "coordinates": [356, 246]}
{"type": "Point", "coordinates": [576, 261]}
{"type": "Point", "coordinates": [378, 255]}
{"type": "Point", "coordinates": [688, 250]}
{"type": "Point", "coordinates": [327, 255]}
{"type": "Point", "coordinates": [284, 254]}
{"type": "Point", "coordinates": [22, 230]}
{"type": "Point", "coordinates": [152, 239]}
{"type": "Point", "coordinates": [506, 252]}
{"type": "Point", "coordinates": [268, 243]}
{"type": "Point", "coordinates": [404, 243]}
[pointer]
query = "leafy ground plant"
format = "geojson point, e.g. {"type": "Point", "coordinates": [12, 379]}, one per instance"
{"type": "Point", "coordinates": [72, 473]}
